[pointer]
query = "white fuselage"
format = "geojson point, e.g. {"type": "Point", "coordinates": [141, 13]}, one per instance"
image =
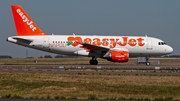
{"type": "Point", "coordinates": [71, 44]}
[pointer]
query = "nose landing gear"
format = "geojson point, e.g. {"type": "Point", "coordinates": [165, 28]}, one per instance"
{"type": "Point", "coordinates": [143, 60]}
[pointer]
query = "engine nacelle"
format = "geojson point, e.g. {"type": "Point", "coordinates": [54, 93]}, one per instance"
{"type": "Point", "coordinates": [118, 56]}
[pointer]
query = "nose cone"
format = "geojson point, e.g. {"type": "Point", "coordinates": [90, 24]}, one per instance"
{"type": "Point", "coordinates": [169, 49]}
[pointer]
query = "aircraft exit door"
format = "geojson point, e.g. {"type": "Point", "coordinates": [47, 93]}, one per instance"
{"type": "Point", "coordinates": [149, 45]}
{"type": "Point", "coordinates": [45, 42]}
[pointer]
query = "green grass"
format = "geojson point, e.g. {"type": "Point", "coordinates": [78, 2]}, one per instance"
{"type": "Point", "coordinates": [71, 86]}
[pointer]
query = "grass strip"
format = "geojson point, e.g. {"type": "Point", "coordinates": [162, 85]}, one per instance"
{"type": "Point", "coordinates": [74, 86]}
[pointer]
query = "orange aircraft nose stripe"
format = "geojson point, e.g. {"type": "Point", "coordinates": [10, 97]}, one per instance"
{"type": "Point", "coordinates": [24, 24]}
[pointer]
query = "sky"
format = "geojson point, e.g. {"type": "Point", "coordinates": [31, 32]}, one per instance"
{"type": "Point", "coordinates": [155, 18]}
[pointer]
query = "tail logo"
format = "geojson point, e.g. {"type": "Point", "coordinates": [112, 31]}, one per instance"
{"type": "Point", "coordinates": [26, 20]}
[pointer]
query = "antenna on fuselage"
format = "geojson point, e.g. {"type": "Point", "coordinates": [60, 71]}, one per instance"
{"type": "Point", "coordinates": [146, 35]}
{"type": "Point", "coordinates": [74, 34]}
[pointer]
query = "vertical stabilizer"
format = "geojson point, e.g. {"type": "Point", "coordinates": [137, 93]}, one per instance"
{"type": "Point", "coordinates": [25, 26]}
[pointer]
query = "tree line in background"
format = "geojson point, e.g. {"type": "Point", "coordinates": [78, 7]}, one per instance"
{"type": "Point", "coordinates": [46, 56]}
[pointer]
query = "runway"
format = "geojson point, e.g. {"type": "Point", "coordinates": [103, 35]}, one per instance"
{"type": "Point", "coordinates": [95, 69]}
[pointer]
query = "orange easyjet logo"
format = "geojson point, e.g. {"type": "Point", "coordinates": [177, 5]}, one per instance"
{"type": "Point", "coordinates": [74, 40]}
{"type": "Point", "coordinates": [111, 42]}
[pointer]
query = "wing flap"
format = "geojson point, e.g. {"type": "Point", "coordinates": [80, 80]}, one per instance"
{"type": "Point", "coordinates": [93, 48]}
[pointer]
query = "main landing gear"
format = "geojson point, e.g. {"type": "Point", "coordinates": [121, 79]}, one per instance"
{"type": "Point", "coordinates": [93, 61]}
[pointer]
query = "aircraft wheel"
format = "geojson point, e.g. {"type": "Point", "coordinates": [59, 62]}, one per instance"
{"type": "Point", "coordinates": [147, 63]}
{"type": "Point", "coordinates": [93, 62]}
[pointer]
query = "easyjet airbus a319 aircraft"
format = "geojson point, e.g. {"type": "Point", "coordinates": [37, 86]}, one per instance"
{"type": "Point", "coordinates": [112, 48]}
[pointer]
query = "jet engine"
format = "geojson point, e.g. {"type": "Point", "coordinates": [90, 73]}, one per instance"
{"type": "Point", "coordinates": [117, 55]}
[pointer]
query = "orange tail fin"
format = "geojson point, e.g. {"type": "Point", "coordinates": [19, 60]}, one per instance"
{"type": "Point", "coordinates": [25, 26]}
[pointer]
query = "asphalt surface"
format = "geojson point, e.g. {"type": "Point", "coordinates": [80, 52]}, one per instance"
{"type": "Point", "coordinates": [96, 69]}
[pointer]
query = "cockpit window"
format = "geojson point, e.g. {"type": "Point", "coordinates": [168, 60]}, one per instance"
{"type": "Point", "coordinates": [161, 43]}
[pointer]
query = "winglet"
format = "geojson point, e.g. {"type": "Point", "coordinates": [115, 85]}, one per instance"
{"type": "Point", "coordinates": [25, 26]}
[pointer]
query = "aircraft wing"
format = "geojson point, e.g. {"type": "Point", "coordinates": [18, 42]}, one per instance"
{"type": "Point", "coordinates": [93, 48]}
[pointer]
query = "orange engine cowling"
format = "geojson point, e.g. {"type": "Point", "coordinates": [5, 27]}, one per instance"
{"type": "Point", "coordinates": [121, 56]}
